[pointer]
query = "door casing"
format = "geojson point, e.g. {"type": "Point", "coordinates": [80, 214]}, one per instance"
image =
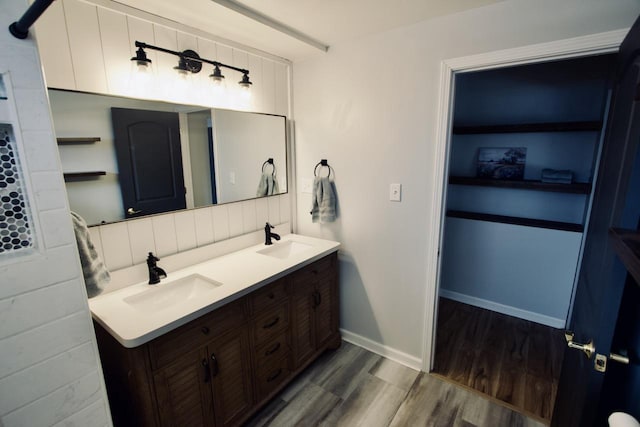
{"type": "Point", "coordinates": [595, 44]}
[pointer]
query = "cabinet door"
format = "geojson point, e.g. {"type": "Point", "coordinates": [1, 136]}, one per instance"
{"type": "Point", "coordinates": [303, 337]}
{"type": "Point", "coordinates": [230, 369]}
{"type": "Point", "coordinates": [325, 309]}
{"type": "Point", "coordinates": [183, 391]}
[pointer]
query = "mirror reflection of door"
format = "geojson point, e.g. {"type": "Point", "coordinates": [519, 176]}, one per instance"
{"type": "Point", "coordinates": [149, 161]}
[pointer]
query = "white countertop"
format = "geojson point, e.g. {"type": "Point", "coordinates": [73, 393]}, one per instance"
{"type": "Point", "coordinates": [239, 273]}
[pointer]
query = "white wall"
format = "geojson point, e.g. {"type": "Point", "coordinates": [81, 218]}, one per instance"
{"type": "Point", "coordinates": [239, 154]}
{"type": "Point", "coordinates": [49, 367]}
{"type": "Point", "coordinates": [369, 107]}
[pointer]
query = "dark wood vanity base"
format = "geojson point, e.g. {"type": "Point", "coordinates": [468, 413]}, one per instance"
{"type": "Point", "coordinates": [221, 368]}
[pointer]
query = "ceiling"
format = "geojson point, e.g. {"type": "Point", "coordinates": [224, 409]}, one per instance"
{"type": "Point", "coordinates": [326, 21]}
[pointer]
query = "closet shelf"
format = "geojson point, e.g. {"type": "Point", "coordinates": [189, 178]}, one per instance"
{"type": "Point", "coordinates": [527, 222]}
{"type": "Point", "coordinates": [626, 243]}
{"type": "Point", "coordinates": [76, 176]}
{"type": "Point", "coordinates": [78, 140]}
{"type": "Point", "coordinates": [530, 127]}
{"type": "Point", "coordinates": [575, 188]}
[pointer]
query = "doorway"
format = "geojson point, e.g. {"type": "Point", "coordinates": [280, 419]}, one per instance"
{"type": "Point", "coordinates": [488, 322]}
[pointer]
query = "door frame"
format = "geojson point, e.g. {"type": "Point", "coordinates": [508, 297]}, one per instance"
{"type": "Point", "coordinates": [594, 44]}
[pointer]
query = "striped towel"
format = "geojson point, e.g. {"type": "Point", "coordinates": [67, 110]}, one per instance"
{"type": "Point", "coordinates": [94, 270]}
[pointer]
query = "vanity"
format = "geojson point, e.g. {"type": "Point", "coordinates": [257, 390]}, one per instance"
{"type": "Point", "coordinates": [214, 342]}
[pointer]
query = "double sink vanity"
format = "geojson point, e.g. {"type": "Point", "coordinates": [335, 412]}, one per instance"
{"type": "Point", "coordinates": [213, 342]}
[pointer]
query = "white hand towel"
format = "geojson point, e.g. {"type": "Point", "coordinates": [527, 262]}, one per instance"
{"type": "Point", "coordinates": [324, 201]}
{"type": "Point", "coordinates": [268, 185]}
{"type": "Point", "coordinates": [95, 273]}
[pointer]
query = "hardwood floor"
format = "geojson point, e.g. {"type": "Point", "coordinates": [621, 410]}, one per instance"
{"type": "Point", "coordinates": [512, 360]}
{"type": "Point", "coordinates": [354, 387]}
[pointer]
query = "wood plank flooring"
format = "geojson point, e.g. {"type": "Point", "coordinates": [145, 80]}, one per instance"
{"type": "Point", "coordinates": [354, 387]}
{"type": "Point", "coordinates": [512, 360]}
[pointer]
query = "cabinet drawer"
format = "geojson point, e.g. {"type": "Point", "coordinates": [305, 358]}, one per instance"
{"type": "Point", "coordinates": [270, 322]}
{"type": "Point", "coordinates": [320, 268]}
{"type": "Point", "coordinates": [164, 349]}
{"type": "Point", "coordinates": [271, 376]}
{"type": "Point", "coordinates": [272, 350]}
{"type": "Point", "coordinates": [268, 295]}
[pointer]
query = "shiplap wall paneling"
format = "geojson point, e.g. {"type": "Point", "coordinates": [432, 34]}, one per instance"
{"type": "Point", "coordinates": [269, 86]}
{"type": "Point", "coordinates": [115, 50]}
{"type": "Point", "coordinates": [192, 91]}
{"type": "Point", "coordinates": [282, 89]}
{"type": "Point", "coordinates": [142, 31]}
{"type": "Point", "coordinates": [208, 95]}
{"type": "Point", "coordinates": [257, 89]}
{"type": "Point", "coordinates": [166, 77]}
{"type": "Point", "coordinates": [53, 43]}
{"type": "Point", "coordinates": [86, 46]}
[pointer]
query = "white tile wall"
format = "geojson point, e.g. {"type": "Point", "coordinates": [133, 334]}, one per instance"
{"type": "Point", "coordinates": [141, 239]}
{"type": "Point", "coordinates": [185, 230]}
{"type": "Point", "coordinates": [203, 219]}
{"type": "Point", "coordinates": [125, 244]}
{"type": "Point", "coordinates": [220, 215]}
{"type": "Point", "coordinates": [49, 367]}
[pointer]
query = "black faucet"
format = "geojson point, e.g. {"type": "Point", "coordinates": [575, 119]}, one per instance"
{"type": "Point", "coordinates": [155, 272]}
{"type": "Point", "coordinates": [268, 234]}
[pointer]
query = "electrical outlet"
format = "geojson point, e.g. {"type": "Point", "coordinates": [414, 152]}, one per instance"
{"type": "Point", "coordinates": [395, 192]}
{"type": "Point", "coordinates": [232, 177]}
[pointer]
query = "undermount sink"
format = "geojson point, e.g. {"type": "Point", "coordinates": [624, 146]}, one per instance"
{"type": "Point", "coordinates": [170, 293]}
{"type": "Point", "coordinates": [284, 250]}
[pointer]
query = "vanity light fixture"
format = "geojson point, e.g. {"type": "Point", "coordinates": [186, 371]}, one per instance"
{"type": "Point", "coordinates": [217, 76]}
{"type": "Point", "coordinates": [189, 62]}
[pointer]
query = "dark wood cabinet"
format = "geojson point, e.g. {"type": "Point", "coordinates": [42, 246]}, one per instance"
{"type": "Point", "coordinates": [183, 391]}
{"type": "Point", "coordinates": [314, 313]}
{"type": "Point", "coordinates": [231, 377]}
{"type": "Point", "coordinates": [219, 369]}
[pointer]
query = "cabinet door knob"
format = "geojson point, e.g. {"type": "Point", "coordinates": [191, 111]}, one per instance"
{"type": "Point", "coordinates": [272, 323]}
{"type": "Point", "coordinates": [205, 330]}
{"type": "Point", "coordinates": [271, 295]}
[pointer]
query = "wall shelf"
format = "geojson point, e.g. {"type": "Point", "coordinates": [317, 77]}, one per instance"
{"type": "Point", "coordinates": [78, 140]}
{"type": "Point", "coordinates": [575, 188]}
{"type": "Point", "coordinates": [626, 244]}
{"type": "Point", "coordinates": [589, 126]}
{"type": "Point", "coordinates": [527, 222]}
{"type": "Point", "coordinates": [77, 176]}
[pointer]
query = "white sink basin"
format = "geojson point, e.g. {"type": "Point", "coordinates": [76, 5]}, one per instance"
{"type": "Point", "coordinates": [168, 294]}
{"type": "Point", "coordinates": [284, 250]}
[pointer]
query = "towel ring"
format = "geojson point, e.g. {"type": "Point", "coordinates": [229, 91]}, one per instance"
{"type": "Point", "coordinates": [269, 162]}
{"type": "Point", "coordinates": [322, 162]}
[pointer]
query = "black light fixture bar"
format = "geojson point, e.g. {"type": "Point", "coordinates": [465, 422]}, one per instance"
{"type": "Point", "coordinates": [20, 28]}
{"type": "Point", "coordinates": [191, 56]}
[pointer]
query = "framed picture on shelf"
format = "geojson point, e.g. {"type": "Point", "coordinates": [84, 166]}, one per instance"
{"type": "Point", "coordinates": [501, 163]}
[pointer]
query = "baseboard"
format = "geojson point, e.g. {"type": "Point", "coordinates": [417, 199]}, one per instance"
{"type": "Point", "coordinates": [504, 309]}
{"type": "Point", "coordinates": [383, 350]}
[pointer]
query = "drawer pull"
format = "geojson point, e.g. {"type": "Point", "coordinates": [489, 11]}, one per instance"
{"type": "Point", "coordinates": [271, 295]}
{"type": "Point", "coordinates": [207, 373]}
{"type": "Point", "coordinates": [205, 330]}
{"type": "Point", "coordinates": [272, 349]}
{"type": "Point", "coordinates": [215, 365]}
{"type": "Point", "coordinates": [272, 323]}
{"type": "Point", "coordinates": [275, 375]}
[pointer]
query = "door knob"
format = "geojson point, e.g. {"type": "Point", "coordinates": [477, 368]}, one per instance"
{"type": "Point", "coordinates": [132, 211]}
{"type": "Point", "coordinates": [588, 348]}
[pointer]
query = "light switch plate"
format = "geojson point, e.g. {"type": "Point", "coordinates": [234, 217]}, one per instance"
{"type": "Point", "coordinates": [307, 185]}
{"type": "Point", "coordinates": [395, 192]}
